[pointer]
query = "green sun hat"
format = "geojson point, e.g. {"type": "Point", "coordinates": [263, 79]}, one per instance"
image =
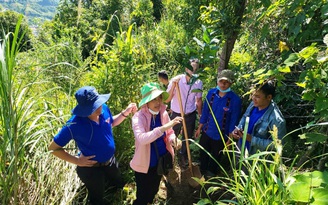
{"type": "Point", "coordinates": [151, 91]}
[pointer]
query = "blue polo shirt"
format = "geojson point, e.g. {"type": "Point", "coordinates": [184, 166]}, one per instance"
{"type": "Point", "coordinates": [90, 137]}
{"type": "Point", "coordinates": [224, 115]}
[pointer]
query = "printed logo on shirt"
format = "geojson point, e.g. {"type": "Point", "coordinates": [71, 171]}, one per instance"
{"type": "Point", "coordinates": [108, 120]}
{"type": "Point", "coordinates": [226, 109]}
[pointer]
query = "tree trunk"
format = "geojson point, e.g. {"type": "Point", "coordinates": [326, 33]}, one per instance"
{"type": "Point", "coordinates": [232, 36]}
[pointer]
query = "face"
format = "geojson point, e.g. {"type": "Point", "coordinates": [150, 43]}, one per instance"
{"type": "Point", "coordinates": [195, 65]}
{"type": "Point", "coordinates": [161, 80]}
{"type": "Point", "coordinates": [260, 100]}
{"type": "Point", "coordinates": [189, 71]}
{"type": "Point", "coordinates": [155, 104]}
{"type": "Point", "coordinates": [224, 84]}
{"type": "Point", "coordinates": [97, 112]}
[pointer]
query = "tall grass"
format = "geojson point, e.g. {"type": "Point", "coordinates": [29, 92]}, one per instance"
{"type": "Point", "coordinates": [29, 173]}
{"type": "Point", "coordinates": [255, 179]}
{"type": "Point", "coordinates": [11, 114]}
{"type": "Point", "coordinates": [263, 179]}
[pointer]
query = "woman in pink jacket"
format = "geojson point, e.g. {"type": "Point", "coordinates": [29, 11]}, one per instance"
{"type": "Point", "coordinates": [154, 137]}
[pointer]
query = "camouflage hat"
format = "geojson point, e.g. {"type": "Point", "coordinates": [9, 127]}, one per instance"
{"type": "Point", "coordinates": [226, 75]}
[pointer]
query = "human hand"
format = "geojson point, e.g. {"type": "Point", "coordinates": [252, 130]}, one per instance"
{"type": "Point", "coordinates": [237, 133]}
{"type": "Point", "coordinates": [176, 120]}
{"type": "Point", "coordinates": [175, 81]}
{"type": "Point", "coordinates": [132, 108]}
{"type": "Point", "coordinates": [176, 143]}
{"type": "Point", "coordinates": [197, 133]}
{"type": "Point", "coordinates": [85, 161]}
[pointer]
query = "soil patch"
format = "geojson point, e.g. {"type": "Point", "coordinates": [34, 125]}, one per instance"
{"type": "Point", "coordinates": [178, 188]}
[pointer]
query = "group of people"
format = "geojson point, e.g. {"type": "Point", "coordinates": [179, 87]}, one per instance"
{"type": "Point", "coordinates": [156, 129]}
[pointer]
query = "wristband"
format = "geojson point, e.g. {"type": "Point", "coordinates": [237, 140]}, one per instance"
{"type": "Point", "coordinates": [123, 114]}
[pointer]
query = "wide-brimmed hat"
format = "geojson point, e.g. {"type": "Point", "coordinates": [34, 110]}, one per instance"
{"type": "Point", "coordinates": [88, 101]}
{"type": "Point", "coordinates": [151, 91]}
{"type": "Point", "coordinates": [226, 75]}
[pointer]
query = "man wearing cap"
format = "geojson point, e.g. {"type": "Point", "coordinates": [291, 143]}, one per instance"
{"type": "Point", "coordinates": [154, 138]}
{"type": "Point", "coordinates": [226, 108]}
{"type": "Point", "coordinates": [191, 103]}
{"type": "Point", "coordinates": [91, 129]}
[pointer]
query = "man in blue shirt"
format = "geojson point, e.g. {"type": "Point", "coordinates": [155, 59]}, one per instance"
{"type": "Point", "coordinates": [91, 128]}
{"type": "Point", "coordinates": [216, 126]}
{"type": "Point", "coordinates": [263, 115]}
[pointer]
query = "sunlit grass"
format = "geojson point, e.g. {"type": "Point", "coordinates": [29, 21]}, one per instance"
{"type": "Point", "coordinates": [29, 173]}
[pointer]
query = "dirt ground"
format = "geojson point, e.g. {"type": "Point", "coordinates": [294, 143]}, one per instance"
{"type": "Point", "coordinates": [178, 188]}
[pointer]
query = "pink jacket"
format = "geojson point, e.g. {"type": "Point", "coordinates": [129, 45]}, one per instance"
{"type": "Point", "coordinates": [143, 137]}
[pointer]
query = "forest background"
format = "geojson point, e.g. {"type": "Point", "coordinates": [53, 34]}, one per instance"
{"type": "Point", "coordinates": [117, 46]}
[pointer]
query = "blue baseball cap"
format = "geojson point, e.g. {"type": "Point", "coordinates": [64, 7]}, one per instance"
{"type": "Point", "coordinates": [88, 101]}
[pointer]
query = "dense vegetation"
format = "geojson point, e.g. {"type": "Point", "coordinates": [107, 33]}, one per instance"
{"type": "Point", "coordinates": [117, 45]}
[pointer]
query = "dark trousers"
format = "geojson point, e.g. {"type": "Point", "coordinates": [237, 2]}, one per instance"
{"type": "Point", "coordinates": [98, 179]}
{"type": "Point", "coordinates": [147, 186]}
{"type": "Point", "coordinates": [214, 147]}
{"type": "Point", "coordinates": [190, 120]}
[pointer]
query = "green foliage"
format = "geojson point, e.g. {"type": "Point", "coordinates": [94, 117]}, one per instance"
{"type": "Point", "coordinates": [256, 179]}
{"type": "Point", "coordinates": [10, 145]}
{"type": "Point", "coordinates": [9, 20]}
{"type": "Point", "coordinates": [314, 77]}
{"type": "Point", "coordinates": [58, 61]}
{"type": "Point", "coordinates": [91, 42]}
{"type": "Point", "coordinates": [221, 16]}
{"type": "Point", "coordinates": [308, 187]}
{"type": "Point", "coordinates": [163, 46]}
{"type": "Point", "coordinates": [186, 14]}
{"type": "Point", "coordinates": [87, 22]}
{"type": "Point", "coordinates": [158, 9]}
{"type": "Point", "coordinates": [143, 13]}
{"type": "Point", "coordinates": [118, 72]}
{"type": "Point", "coordinates": [21, 127]}
{"type": "Point", "coordinates": [207, 49]}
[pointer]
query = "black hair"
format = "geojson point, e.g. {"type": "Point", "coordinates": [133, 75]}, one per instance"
{"type": "Point", "coordinates": [268, 88]}
{"type": "Point", "coordinates": [163, 74]}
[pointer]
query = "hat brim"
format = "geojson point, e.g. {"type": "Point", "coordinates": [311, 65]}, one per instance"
{"type": "Point", "coordinates": [154, 94]}
{"type": "Point", "coordinates": [225, 78]}
{"type": "Point", "coordinates": [85, 111]}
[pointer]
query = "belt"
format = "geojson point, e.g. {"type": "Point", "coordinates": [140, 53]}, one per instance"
{"type": "Point", "coordinates": [104, 164]}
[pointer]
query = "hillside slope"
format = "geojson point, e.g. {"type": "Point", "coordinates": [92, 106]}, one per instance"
{"type": "Point", "coordinates": [35, 11]}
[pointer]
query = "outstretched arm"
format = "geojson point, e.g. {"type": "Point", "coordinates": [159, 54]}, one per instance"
{"type": "Point", "coordinates": [117, 119]}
